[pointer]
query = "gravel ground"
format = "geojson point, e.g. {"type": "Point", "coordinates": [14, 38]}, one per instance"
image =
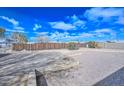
{"type": "Point", "coordinates": [97, 67]}
{"type": "Point", "coordinates": [15, 68]}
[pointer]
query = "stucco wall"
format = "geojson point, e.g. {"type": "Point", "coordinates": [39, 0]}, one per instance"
{"type": "Point", "coordinates": [111, 45]}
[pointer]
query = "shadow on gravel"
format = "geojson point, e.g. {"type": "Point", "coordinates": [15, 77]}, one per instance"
{"type": "Point", "coordinates": [115, 79]}
{"type": "Point", "coordinates": [40, 79]}
{"type": "Point", "coordinates": [3, 55]}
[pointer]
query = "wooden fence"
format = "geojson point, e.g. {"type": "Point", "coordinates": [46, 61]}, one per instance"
{"type": "Point", "coordinates": [42, 46]}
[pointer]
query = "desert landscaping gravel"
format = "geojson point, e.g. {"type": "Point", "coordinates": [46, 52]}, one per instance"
{"type": "Point", "coordinates": [95, 67]}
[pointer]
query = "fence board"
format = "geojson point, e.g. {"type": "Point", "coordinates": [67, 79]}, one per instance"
{"type": "Point", "coordinates": [42, 46]}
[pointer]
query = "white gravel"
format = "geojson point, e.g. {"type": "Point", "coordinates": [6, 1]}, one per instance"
{"type": "Point", "coordinates": [95, 65]}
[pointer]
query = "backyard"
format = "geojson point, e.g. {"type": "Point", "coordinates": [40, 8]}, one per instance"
{"type": "Point", "coordinates": [95, 67]}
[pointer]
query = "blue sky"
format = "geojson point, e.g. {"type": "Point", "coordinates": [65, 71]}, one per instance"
{"type": "Point", "coordinates": [65, 24]}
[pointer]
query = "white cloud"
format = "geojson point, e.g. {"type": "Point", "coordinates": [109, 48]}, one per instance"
{"type": "Point", "coordinates": [105, 30]}
{"type": "Point", "coordinates": [15, 23]}
{"type": "Point", "coordinates": [99, 33]}
{"type": "Point", "coordinates": [79, 23]}
{"type": "Point", "coordinates": [14, 30]}
{"type": "Point", "coordinates": [105, 14]}
{"type": "Point", "coordinates": [67, 37]}
{"type": "Point", "coordinates": [62, 25]}
{"type": "Point", "coordinates": [42, 33]}
{"type": "Point", "coordinates": [61, 37]}
{"type": "Point", "coordinates": [18, 28]}
{"type": "Point", "coordinates": [74, 20]}
{"type": "Point", "coordinates": [10, 30]}
{"type": "Point", "coordinates": [10, 20]}
{"type": "Point", "coordinates": [57, 34]}
{"type": "Point", "coordinates": [87, 35]}
{"type": "Point", "coordinates": [36, 27]}
{"type": "Point", "coordinates": [73, 23]}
